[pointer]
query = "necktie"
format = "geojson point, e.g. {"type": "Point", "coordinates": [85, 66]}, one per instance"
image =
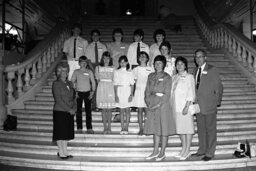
{"type": "Point", "coordinates": [96, 53]}
{"type": "Point", "coordinates": [198, 78]}
{"type": "Point", "coordinates": [75, 48]}
{"type": "Point", "coordinates": [138, 51]}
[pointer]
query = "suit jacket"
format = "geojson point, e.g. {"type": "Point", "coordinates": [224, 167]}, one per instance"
{"type": "Point", "coordinates": [209, 93]}
{"type": "Point", "coordinates": [64, 96]}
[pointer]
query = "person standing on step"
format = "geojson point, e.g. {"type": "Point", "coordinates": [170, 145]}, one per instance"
{"type": "Point", "coordinates": [64, 109]}
{"type": "Point", "coordinates": [182, 96]}
{"type": "Point", "coordinates": [136, 47]}
{"type": "Point", "coordinates": [160, 121]}
{"type": "Point", "coordinates": [141, 73]}
{"type": "Point", "coordinates": [124, 88]}
{"type": "Point", "coordinates": [165, 49]}
{"type": "Point", "coordinates": [159, 37]}
{"type": "Point", "coordinates": [105, 97]}
{"type": "Point", "coordinates": [117, 48]}
{"type": "Point", "coordinates": [209, 91]}
{"type": "Point", "coordinates": [84, 83]}
{"type": "Point", "coordinates": [93, 52]}
{"type": "Point", "coordinates": [73, 48]}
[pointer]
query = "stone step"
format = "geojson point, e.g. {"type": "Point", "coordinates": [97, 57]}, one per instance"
{"type": "Point", "coordinates": [126, 164]}
{"type": "Point", "coordinates": [139, 151]}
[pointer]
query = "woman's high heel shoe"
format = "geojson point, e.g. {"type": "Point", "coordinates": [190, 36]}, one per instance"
{"type": "Point", "coordinates": [160, 158]}
{"type": "Point", "coordinates": [152, 157]}
{"type": "Point", "coordinates": [63, 158]}
{"type": "Point", "coordinates": [185, 157]}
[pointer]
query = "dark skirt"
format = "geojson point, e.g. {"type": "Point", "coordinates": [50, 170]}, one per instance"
{"type": "Point", "coordinates": [63, 126]}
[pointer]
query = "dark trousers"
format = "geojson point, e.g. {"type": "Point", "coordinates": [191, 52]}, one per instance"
{"type": "Point", "coordinates": [207, 134]}
{"type": "Point", "coordinates": [84, 96]}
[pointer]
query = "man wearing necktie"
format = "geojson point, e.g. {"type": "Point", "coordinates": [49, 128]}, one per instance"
{"type": "Point", "coordinates": [209, 91]}
{"type": "Point", "coordinates": [73, 48]}
{"type": "Point", "coordinates": [136, 47]}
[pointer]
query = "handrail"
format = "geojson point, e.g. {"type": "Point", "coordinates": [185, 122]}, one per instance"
{"type": "Point", "coordinates": [21, 77]}
{"type": "Point", "coordinates": [225, 36]}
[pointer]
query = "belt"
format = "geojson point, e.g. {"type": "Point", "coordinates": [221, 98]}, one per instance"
{"type": "Point", "coordinates": [159, 94]}
{"type": "Point", "coordinates": [105, 80]}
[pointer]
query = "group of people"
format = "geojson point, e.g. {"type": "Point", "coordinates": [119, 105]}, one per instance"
{"type": "Point", "coordinates": [136, 75]}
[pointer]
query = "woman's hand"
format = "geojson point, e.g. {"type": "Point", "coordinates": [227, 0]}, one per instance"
{"type": "Point", "coordinates": [116, 99]}
{"type": "Point", "coordinates": [154, 107]}
{"type": "Point", "coordinates": [185, 110]}
{"type": "Point", "coordinates": [72, 112]}
{"type": "Point", "coordinates": [130, 98]}
{"type": "Point", "coordinates": [91, 95]}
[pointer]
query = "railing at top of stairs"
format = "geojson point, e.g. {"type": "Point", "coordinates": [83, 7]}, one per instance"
{"type": "Point", "coordinates": [24, 79]}
{"type": "Point", "coordinates": [238, 47]}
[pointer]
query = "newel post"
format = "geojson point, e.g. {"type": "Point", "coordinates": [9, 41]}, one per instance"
{"type": "Point", "coordinates": [2, 92]}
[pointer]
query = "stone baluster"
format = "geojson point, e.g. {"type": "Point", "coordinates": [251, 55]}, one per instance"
{"type": "Point", "coordinates": [229, 43]}
{"type": "Point", "coordinates": [39, 68]}
{"type": "Point", "coordinates": [244, 56]}
{"type": "Point", "coordinates": [20, 83]}
{"type": "Point", "coordinates": [27, 79]}
{"type": "Point", "coordinates": [56, 48]}
{"type": "Point", "coordinates": [52, 52]}
{"type": "Point", "coordinates": [250, 61]}
{"type": "Point", "coordinates": [222, 41]}
{"type": "Point", "coordinates": [44, 61]}
{"type": "Point", "coordinates": [234, 47]}
{"type": "Point", "coordinates": [254, 65]}
{"type": "Point", "coordinates": [33, 73]}
{"type": "Point", "coordinates": [226, 40]}
{"type": "Point", "coordinates": [48, 64]}
{"type": "Point", "coordinates": [10, 97]}
{"type": "Point", "coordinates": [239, 52]}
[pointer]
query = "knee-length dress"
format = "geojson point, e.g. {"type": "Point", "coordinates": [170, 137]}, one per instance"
{"type": "Point", "coordinates": [159, 121]}
{"type": "Point", "coordinates": [105, 96]}
{"type": "Point", "coordinates": [141, 76]}
{"type": "Point", "coordinates": [183, 90]}
{"type": "Point", "coordinates": [123, 79]}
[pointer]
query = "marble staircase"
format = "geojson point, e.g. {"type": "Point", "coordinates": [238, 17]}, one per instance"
{"type": "Point", "coordinates": [31, 144]}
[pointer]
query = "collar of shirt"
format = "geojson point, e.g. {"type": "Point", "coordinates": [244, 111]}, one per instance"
{"type": "Point", "coordinates": [203, 66]}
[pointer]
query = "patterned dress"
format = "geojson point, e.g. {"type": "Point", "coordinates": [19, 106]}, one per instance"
{"type": "Point", "coordinates": [170, 66]}
{"type": "Point", "coordinates": [159, 121]}
{"type": "Point", "coordinates": [105, 97]}
{"type": "Point", "coordinates": [141, 75]}
{"type": "Point", "coordinates": [116, 51]}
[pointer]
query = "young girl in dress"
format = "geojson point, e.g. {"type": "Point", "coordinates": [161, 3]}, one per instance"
{"type": "Point", "coordinates": [124, 86]}
{"type": "Point", "coordinates": [105, 97]}
{"type": "Point", "coordinates": [141, 76]}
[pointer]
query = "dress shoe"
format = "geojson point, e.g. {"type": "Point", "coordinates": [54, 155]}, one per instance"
{"type": "Point", "coordinates": [197, 155]}
{"type": "Point", "coordinates": [185, 157]}
{"type": "Point", "coordinates": [152, 157]}
{"type": "Point", "coordinates": [70, 156]}
{"type": "Point", "coordinates": [206, 158]}
{"type": "Point", "coordinates": [160, 158]}
{"type": "Point", "coordinates": [90, 131]}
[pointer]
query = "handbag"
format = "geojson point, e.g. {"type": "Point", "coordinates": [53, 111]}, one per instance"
{"type": "Point", "coordinates": [193, 109]}
{"type": "Point", "coordinates": [10, 123]}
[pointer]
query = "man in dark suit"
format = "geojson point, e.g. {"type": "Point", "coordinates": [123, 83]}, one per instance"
{"type": "Point", "coordinates": [209, 91]}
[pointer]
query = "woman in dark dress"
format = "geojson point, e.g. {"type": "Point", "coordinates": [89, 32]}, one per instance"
{"type": "Point", "coordinates": [63, 110]}
{"type": "Point", "coordinates": [160, 122]}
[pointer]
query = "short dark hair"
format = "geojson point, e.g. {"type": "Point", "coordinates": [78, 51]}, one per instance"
{"type": "Point", "coordinates": [117, 30]}
{"type": "Point", "coordinates": [82, 59]}
{"type": "Point", "coordinates": [138, 32]}
{"type": "Point", "coordinates": [107, 54]}
{"type": "Point", "coordinates": [77, 25]}
{"type": "Point", "coordinates": [157, 32]}
{"type": "Point", "coordinates": [160, 58]}
{"type": "Point", "coordinates": [183, 60]}
{"type": "Point", "coordinates": [167, 44]}
{"type": "Point", "coordinates": [126, 60]}
{"type": "Point", "coordinates": [201, 50]}
{"type": "Point", "coordinates": [143, 53]}
{"type": "Point", "coordinates": [95, 31]}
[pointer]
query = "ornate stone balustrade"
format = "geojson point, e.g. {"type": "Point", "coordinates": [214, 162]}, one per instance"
{"type": "Point", "coordinates": [224, 36]}
{"type": "Point", "coordinates": [21, 77]}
